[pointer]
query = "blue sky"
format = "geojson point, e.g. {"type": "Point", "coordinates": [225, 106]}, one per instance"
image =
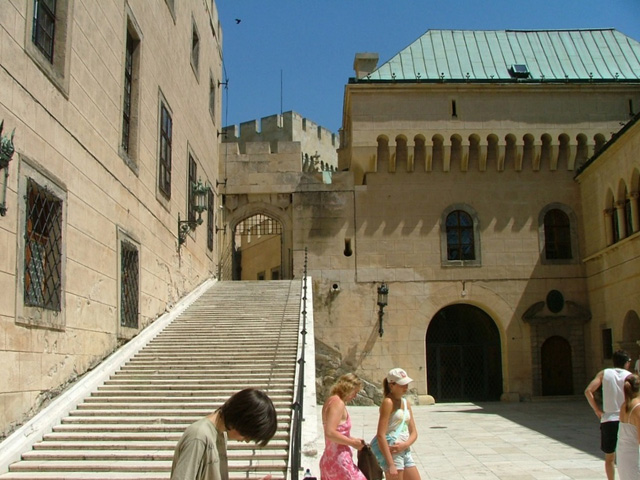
{"type": "Point", "coordinates": [307, 47]}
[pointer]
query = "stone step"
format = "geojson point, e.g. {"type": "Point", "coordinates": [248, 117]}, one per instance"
{"type": "Point", "coordinates": [164, 454]}
{"type": "Point", "coordinates": [148, 465]}
{"type": "Point", "coordinates": [150, 420]}
{"type": "Point", "coordinates": [154, 443]}
{"type": "Point", "coordinates": [236, 335]}
{"type": "Point", "coordinates": [174, 436]}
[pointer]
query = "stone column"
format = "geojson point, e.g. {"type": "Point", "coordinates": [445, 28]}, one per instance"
{"type": "Point", "coordinates": [622, 224]}
{"type": "Point", "coordinates": [635, 214]}
{"type": "Point", "coordinates": [608, 225]}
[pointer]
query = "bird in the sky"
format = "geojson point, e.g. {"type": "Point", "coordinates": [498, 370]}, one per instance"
{"type": "Point", "coordinates": [238, 21]}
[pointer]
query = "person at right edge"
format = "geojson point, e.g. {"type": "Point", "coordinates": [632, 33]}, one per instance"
{"type": "Point", "coordinates": [396, 422]}
{"type": "Point", "coordinates": [612, 382]}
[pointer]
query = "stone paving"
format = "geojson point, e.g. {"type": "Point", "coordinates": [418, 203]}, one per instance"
{"type": "Point", "coordinates": [538, 440]}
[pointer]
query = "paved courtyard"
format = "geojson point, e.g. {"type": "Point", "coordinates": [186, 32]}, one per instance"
{"type": "Point", "coordinates": [543, 439]}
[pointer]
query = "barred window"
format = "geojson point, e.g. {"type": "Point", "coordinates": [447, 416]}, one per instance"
{"type": "Point", "coordinates": [43, 248]}
{"type": "Point", "coordinates": [44, 26]}
{"type": "Point", "coordinates": [166, 127]}
{"type": "Point", "coordinates": [210, 219]}
{"type": "Point", "coordinates": [460, 238]}
{"type": "Point", "coordinates": [129, 284]}
{"type": "Point", "coordinates": [191, 182]}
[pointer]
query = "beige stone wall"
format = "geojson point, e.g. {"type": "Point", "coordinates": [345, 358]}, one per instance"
{"type": "Point", "coordinates": [396, 221]}
{"type": "Point", "coordinates": [288, 127]}
{"type": "Point", "coordinates": [68, 133]}
{"type": "Point", "coordinates": [612, 268]}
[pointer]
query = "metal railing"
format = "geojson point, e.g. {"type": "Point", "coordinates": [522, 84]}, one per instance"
{"type": "Point", "coordinates": [295, 453]}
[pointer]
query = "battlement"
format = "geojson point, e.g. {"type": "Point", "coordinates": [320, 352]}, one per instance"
{"type": "Point", "coordinates": [289, 126]}
{"type": "Point", "coordinates": [315, 141]}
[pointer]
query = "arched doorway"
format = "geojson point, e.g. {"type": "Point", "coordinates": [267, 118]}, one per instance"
{"type": "Point", "coordinates": [463, 355]}
{"type": "Point", "coordinates": [557, 367]}
{"type": "Point", "coordinates": [257, 249]}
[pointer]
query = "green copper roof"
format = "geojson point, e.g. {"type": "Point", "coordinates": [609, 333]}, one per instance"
{"type": "Point", "coordinates": [547, 55]}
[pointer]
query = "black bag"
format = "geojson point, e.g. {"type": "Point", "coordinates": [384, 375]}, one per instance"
{"type": "Point", "coordinates": [368, 464]}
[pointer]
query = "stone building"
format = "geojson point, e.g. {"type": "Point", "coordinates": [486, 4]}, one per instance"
{"type": "Point", "coordinates": [115, 107]}
{"type": "Point", "coordinates": [464, 147]}
{"type": "Point", "coordinates": [609, 185]}
{"type": "Point", "coordinates": [456, 191]}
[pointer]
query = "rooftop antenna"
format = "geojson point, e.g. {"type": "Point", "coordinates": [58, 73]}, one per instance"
{"type": "Point", "coordinates": [280, 91]}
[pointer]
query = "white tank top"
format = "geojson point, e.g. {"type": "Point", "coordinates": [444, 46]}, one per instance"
{"type": "Point", "coordinates": [613, 393]}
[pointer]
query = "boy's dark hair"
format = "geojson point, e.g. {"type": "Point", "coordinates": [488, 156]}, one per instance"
{"type": "Point", "coordinates": [620, 357]}
{"type": "Point", "coordinates": [252, 414]}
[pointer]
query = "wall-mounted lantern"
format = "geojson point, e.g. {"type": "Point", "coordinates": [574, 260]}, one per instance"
{"type": "Point", "coordinates": [6, 153]}
{"type": "Point", "coordinates": [383, 296]}
{"type": "Point", "coordinates": [199, 191]}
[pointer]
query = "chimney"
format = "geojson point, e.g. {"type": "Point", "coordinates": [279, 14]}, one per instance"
{"type": "Point", "coordinates": [365, 63]}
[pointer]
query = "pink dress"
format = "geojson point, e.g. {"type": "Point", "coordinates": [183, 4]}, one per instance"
{"type": "Point", "coordinates": [337, 460]}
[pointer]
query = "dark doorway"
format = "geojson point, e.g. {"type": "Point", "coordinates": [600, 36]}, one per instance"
{"type": "Point", "coordinates": [257, 249]}
{"type": "Point", "coordinates": [463, 355]}
{"type": "Point", "coordinates": [557, 369]}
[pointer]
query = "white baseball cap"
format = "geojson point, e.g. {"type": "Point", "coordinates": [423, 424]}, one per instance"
{"type": "Point", "coordinates": [399, 376]}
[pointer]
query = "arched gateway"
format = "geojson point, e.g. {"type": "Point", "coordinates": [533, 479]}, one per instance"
{"type": "Point", "coordinates": [464, 360]}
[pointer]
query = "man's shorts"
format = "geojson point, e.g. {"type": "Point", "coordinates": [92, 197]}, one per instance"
{"type": "Point", "coordinates": [609, 436]}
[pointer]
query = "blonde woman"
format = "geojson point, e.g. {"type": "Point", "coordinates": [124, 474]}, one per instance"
{"type": "Point", "coordinates": [396, 429]}
{"type": "Point", "coordinates": [627, 456]}
{"type": "Point", "coordinates": [337, 460]}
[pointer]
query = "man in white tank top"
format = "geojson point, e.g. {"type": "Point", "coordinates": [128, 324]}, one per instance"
{"type": "Point", "coordinates": [612, 382]}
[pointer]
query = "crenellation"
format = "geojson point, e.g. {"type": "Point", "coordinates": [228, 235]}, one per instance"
{"type": "Point", "coordinates": [315, 141]}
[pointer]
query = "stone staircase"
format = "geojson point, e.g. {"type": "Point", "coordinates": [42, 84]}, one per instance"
{"type": "Point", "coordinates": [236, 335]}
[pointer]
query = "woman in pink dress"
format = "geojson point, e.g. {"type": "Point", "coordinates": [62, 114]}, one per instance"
{"type": "Point", "coordinates": [337, 460]}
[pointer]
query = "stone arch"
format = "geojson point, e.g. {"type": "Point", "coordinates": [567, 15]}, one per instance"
{"type": "Point", "coordinates": [402, 154]}
{"type": "Point", "coordinates": [599, 141]}
{"type": "Point", "coordinates": [545, 152]}
{"type": "Point", "coordinates": [273, 211]}
{"type": "Point", "coordinates": [463, 355]}
{"type": "Point", "coordinates": [474, 152]}
{"type": "Point", "coordinates": [510, 153]}
{"type": "Point", "coordinates": [582, 151]}
{"type": "Point", "coordinates": [419, 153]}
{"type": "Point", "coordinates": [528, 151]}
{"type": "Point", "coordinates": [382, 153]}
{"type": "Point", "coordinates": [492, 151]}
{"type": "Point", "coordinates": [564, 152]}
{"type": "Point", "coordinates": [631, 333]}
{"type": "Point", "coordinates": [437, 155]}
{"type": "Point", "coordinates": [456, 152]}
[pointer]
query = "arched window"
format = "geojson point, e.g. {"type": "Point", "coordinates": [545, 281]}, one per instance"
{"type": "Point", "coordinates": [460, 236]}
{"type": "Point", "coordinates": [557, 235]}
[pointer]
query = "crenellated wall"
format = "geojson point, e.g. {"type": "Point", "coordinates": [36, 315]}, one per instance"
{"type": "Point", "coordinates": [316, 142]}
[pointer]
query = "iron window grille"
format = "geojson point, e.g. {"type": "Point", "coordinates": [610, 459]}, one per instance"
{"type": "Point", "coordinates": [460, 240]}
{"type": "Point", "coordinates": [44, 26]}
{"type": "Point", "coordinates": [557, 235]}
{"type": "Point", "coordinates": [210, 220]}
{"type": "Point", "coordinates": [259, 225]}
{"type": "Point", "coordinates": [129, 281]}
{"type": "Point", "coordinates": [43, 248]}
{"type": "Point", "coordinates": [166, 126]}
{"type": "Point", "coordinates": [191, 198]}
